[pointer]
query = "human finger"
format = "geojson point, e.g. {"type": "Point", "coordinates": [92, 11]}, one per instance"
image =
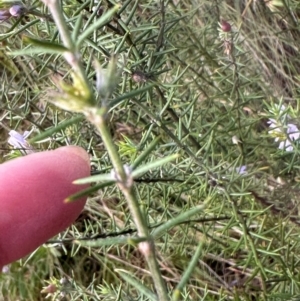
{"type": "Point", "coordinates": [32, 193]}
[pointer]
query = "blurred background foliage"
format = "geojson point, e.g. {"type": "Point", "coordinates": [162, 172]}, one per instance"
{"type": "Point", "coordinates": [205, 76]}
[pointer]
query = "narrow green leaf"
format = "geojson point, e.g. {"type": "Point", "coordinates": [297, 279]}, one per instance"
{"type": "Point", "coordinates": [182, 217]}
{"type": "Point", "coordinates": [137, 284]}
{"type": "Point", "coordinates": [86, 192]}
{"type": "Point", "coordinates": [56, 129]}
{"type": "Point", "coordinates": [133, 10]}
{"type": "Point", "coordinates": [97, 178]}
{"type": "Point", "coordinates": [41, 47]}
{"type": "Point", "coordinates": [111, 241]}
{"type": "Point", "coordinates": [129, 95]}
{"type": "Point", "coordinates": [33, 50]}
{"type": "Point", "coordinates": [105, 18]}
{"type": "Point", "coordinates": [146, 153]}
{"type": "Point", "coordinates": [187, 273]}
{"type": "Point", "coordinates": [8, 63]}
{"type": "Point", "coordinates": [135, 174]}
{"type": "Point", "coordinates": [45, 44]}
{"type": "Point", "coordinates": [77, 27]}
{"type": "Point", "coordinates": [152, 165]}
{"type": "Point", "coordinates": [143, 28]}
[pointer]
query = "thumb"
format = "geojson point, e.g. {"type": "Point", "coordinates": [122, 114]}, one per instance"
{"type": "Point", "coordinates": [32, 191]}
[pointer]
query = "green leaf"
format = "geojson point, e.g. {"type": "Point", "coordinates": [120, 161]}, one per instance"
{"type": "Point", "coordinates": [182, 217]}
{"type": "Point", "coordinates": [187, 273]}
{"type": "Point", "coordinates": [111, 241]}
{"type": "Point", "coordinates": [8, 63]}
{"type": "Point", "coordinates": [86, 192]}
{"type": "Point", "coordinates": [77, 27]}
{"type": "Point", "coordinates": [97, 178]}
{"type": "Point", "coordinates": [135, 174]}
{"type": "Point", "coordinates": [41, 47]}
{"type": "Point", "coordinates": [145, 153]}
{"type": "Point", "coordinates": [103, 20]}
{"type": "Point", "coordinates": [137, 284]}
{"type": "Point", "coordinates": [56, 129]}
{"type": "Point", "coordinates": [152, 165]}
{"type": "Point", "coordinates": [129, 95]}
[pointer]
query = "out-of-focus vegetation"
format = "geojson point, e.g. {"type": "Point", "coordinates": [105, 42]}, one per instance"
{"type": "Point", "coordinates": [218, 82]}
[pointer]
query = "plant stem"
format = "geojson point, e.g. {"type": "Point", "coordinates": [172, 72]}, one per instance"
{"type": "Point", "coordinates": [125, 181]}
{"type": "Point", "coordinates": [72, 57]}
{"type": "Point", "coordinates": [147, 248]}
{"type": "Point", "coordinates": [126, 185]}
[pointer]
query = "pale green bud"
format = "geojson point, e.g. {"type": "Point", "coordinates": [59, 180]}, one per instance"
{"type": "Point", "coordinates": [75, 97]}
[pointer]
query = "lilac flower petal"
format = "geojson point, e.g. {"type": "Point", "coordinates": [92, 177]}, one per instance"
{"type": "Point", "coordinates": [5, 269]}
{"type": "Point", "coordinates": [17, 140]}
{"type": "Point", "coordinates": [17, 10]}
{"type": "Point", "coordinates": [282, 145]}
{"type": "Point", "coordinates": [280, 132]}
{"type": "Point", "coordinates": [272, 122]}
{"type": "Point", "coordinates": [293, 132]}
{"type": "Point", "coordinates": [26, 134]}
{"type": "Point", "coordinates": [286, 145]}
{"type": "Point", "coordinates": [241, 169]}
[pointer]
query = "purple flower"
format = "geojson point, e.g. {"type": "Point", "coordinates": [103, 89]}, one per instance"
{"type": "Point", "coordinates": [18, 141]}
{"type": "Point", "coordinates": [241, 169]}
{"type": "Point", "coordinates": [17, 10]}
{"type": "Point", "coordinates": [293, 132]}
{"type": "Point", "coordinates": [5, 269]}
{"type": "Point", "coordinates": [284, 134]}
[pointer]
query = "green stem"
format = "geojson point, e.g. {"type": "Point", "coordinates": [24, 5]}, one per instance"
{"type": "Point", "coordinates": [147, 248]}
{"type": "Point", "coordinates": [99, 121]}
{"type": "Point", "coordinates": [126, 185]}
{"type": "Point", "coordinates": [72, 56]}
{"type": "Point", "coordinates": [125, 181]}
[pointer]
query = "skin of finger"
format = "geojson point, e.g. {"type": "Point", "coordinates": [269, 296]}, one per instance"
{"type": "Point", "coordinates": [32, 193]}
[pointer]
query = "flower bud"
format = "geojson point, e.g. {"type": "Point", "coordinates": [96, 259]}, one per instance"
{"type": "Point", "coordinates": [17, 10]}
{"type": "Point", "coordinates": [225, 26]}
